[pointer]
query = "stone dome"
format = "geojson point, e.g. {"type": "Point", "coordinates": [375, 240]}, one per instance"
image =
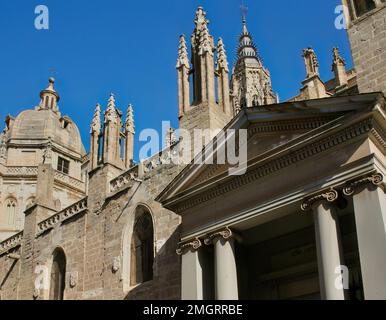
{"type": "Point", "coordinates": [33, 127]}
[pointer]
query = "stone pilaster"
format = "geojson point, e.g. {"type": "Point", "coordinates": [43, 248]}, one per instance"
{"type": "Point", "coordinates": [95, 137]}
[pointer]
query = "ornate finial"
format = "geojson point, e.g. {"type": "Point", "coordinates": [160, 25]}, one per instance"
{"type": "Point", "coordinates": [205, 43]}
{"type": "Point", "coordinates": [338, 60]}
{"type": "Point", "coordinates": [171, 137]}
{"type": "Point", "coordinates": [201, 21]}
{"type": "Point", "coordinates": [51, 82]}
{"type": "Point", "coordinates": [3, 145]}
{"type": "Point", "coordinates": [222, 62]}
{"type": "Point", "coordinates": [129, 124]}
{"type": "Point", "coordinates": [311, 62]}
{"type": "Point", "coordinates": [183, 58]}
{"type": "Point", "coordinates": [96, 121]}
{"type": "Point", "coordinates": [49, 97]}
{"type": "Point", "coordinates": [111, 102]}
{"type": "Point", "coordinates": [111, 112]}
{"type": "Point", "coordinates": [47, 153]}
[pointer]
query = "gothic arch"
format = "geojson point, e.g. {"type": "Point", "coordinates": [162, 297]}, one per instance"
{"type": "Point", "coordinates": [57, 276]}
{"type": "Point", "coordinates": [138, 244]}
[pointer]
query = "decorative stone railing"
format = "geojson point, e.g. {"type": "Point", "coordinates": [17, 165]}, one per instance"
{"type": "Point", "coordinates": [63, 215]}
{"type": "Point", "coordinates": [24, 171]}
{"type": "Point", "coordinates": [33, 171]}
{"type": "Point", "coordinates": [145, 167]}
{"type": "Point", "coordinates": [11, 242]}
{"type": "Point", "coordinates": [61, 177]}
{"type": "Point", "coordinates": [125, 179]}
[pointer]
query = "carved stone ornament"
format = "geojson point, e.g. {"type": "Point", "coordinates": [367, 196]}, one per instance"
{"type": "Point", "coordinates": [116, 264]}
{"type": "Point", "coordinates": [329, 196]}
{"type": "Point", "coordinates": [225, 233]}
{"type": "Point", "coordinates": [36, 293]}
{"type": "Point", "coordinates": [73, 279]}
{"type": "Point", "coordinates": [193, 245]}
{"type": "Point", "coordinates": [375, 179]}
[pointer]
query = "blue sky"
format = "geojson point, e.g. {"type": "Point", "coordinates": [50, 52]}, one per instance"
{"type": "Point", "coordinates": [130, 47]}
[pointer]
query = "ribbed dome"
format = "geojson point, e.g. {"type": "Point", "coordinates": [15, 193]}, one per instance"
{"type": "Point", "coordinates": [37, 126]}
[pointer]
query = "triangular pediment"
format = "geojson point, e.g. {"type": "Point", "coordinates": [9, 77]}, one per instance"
{"type": "Point", "coordinates": [270, 128]}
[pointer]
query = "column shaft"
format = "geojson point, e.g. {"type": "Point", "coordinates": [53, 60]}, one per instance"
{"type": "Point", "coordinates": [192, 276]}
{"type": "Point", "coordinates": [328, 251]}
{"type": "Point", "coordinates": [226, 287]}
{"type": "Point", "coordinates": [370, 218]}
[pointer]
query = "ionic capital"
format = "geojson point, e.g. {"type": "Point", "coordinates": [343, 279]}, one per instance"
{"type": "Point", "coordinates": [330, 196]}
{"type": "Point", "coordinates": [375, 179]}
{"type": "Point", "coordinates": [225, 233]}
{"type": "Point", "coordinates": [194, 245]}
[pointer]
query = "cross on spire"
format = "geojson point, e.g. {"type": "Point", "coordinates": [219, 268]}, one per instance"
{"type": "Point", "coordinates": [244, 11]}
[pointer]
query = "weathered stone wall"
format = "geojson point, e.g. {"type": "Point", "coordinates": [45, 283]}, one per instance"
{"type": "Point", "coordinates": [368, 42]}
{"type": "Point", "coordinates": [9, 275]}
{"type": "Point", "coordinates": [96, 243]}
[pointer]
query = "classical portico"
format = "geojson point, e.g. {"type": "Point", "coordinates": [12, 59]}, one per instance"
{"type": "Point", "coordinates": [307, 220]}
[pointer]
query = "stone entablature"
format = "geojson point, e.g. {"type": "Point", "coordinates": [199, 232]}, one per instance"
{"type": "Point", "coordinates": [11, 243]}
{"type": "Point", "coordinates": [62, 216]}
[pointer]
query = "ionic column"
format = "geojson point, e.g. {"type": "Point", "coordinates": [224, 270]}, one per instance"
{"type": "Point", "coordinates": [192, 287]}
{"type": "Point", "coordinates": [370, 217]}
{"type": "Point", "coordinates": [329, 252]}
{"type": "Point", "coordinates": [226, 287]}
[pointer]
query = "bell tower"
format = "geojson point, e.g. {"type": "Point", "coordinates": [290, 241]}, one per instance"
{"type": "Point", "coordinates": [251, 81]}
{"type": "Point", "coordinates": [366, 31]}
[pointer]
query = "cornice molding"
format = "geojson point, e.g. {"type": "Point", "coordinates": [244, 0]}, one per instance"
{"type": "Point", "coordinates": [289, 125]}
{"type": "Point", "coordinates": [277, 164]}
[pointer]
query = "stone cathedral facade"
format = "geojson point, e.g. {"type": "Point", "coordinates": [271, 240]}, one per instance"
{"type": "Point", "coordinates": [310, 207]}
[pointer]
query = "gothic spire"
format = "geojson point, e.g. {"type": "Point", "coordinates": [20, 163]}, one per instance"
{"type": "Point", "coordinates": [222, 61]}
{"type": "Point", "coordinates": [96, 121]}
{"type": "Point", "coordinates": [337, 59]}
{"type": "Point", "coordinates": [206, 43]}
{"type": "Point", "coordinates": [111, 113]}
{"type": "Point", "coordinates": [246, 48]}
{"type": "Point", "coordinates": [129, 124]}
{"type": "Point", "coordinates": [311, 62]}
{"type": "Point", "coordinates": [202, 41]}
{"type": "Point", "coordinates": [183, 57]}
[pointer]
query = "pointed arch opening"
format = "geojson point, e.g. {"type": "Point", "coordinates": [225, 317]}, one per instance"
{"type": "Point", "coordinates": [142, 248]}
{"type": "Point", "coordinates": [58, 275]}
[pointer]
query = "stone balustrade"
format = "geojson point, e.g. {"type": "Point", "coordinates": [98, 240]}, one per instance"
{"type": "Point", "coordinates": [166, 156]}
{"type": "Point", "coordinates": [124, 179]}
{"type": "Point", "coordinates": [24, 171]}
{"type": "Point", "coordinates": [63, 215]}
{"type": "Point", "coordinates": [11, 242]}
